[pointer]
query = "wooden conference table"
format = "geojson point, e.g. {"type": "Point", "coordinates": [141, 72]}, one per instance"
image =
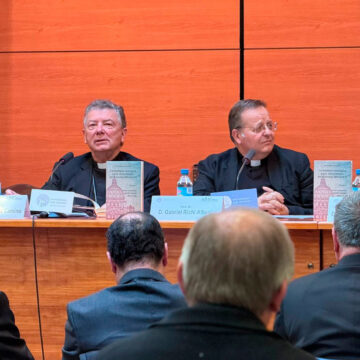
{"type": "Point", "coordinates": [44, 267]}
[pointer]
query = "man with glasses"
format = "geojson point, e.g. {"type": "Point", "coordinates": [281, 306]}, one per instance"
{"type": "Point", "coordinates": [282, 177]}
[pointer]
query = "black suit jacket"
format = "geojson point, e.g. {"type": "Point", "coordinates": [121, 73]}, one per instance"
{"type": "Point", "coordinates": [211, 332]}
{"type": "Point", "coordinates": [142, 297]}
{"type": "Point", "coordinates": [321, 311]}
{"type": "Point", "coordinates": [12, 347]}
{"type": "Point", "coordinates": [76, 176]}
{"type": "Point", "coordinates": [289, 173]}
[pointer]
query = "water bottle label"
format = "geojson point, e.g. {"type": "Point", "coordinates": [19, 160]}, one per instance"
{"type": "Point", "coordinates": [184, 191]}
{"type": "Point", "coordinates": [355, 188]}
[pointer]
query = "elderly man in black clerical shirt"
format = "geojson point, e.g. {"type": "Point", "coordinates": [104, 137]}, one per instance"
{"type": "Point", "coordinates": [104, 133]}
{"type": "Point", "coordinates": [283, 178]}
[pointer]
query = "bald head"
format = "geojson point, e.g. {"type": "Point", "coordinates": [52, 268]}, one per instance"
{"type": "Point", "coordinates": [238, 257]}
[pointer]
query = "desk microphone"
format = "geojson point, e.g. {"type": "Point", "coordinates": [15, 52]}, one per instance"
{"type": "Point", "coordinates": [63, 160]}
{"type": "Point", "coordinates": [245, 161]}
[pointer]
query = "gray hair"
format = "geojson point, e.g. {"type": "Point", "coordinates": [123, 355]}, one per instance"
{"type": "Point", "coordinates": [107, 104]}
{"type": "Point", "coordinates": [239, 257]}
{"type": "Point", "coordinates": [238, 108]}
{"type": "Point", "coordinates": [347, 220]}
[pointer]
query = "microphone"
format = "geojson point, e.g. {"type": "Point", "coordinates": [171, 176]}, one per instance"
{"type": "Point", "coordinates": [245, 161]}
{"type": "Point", "coordinates": [63, 160]}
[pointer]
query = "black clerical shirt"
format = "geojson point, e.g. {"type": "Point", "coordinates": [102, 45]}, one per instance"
{"type": "Point", "coordinates": [253, 176]}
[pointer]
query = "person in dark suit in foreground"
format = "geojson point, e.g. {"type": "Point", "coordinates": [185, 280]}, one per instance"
{"type": "Point", "coordinates": [12, 347]}
{"type": "Point", "coordinates": [233, 270]}
{"type": "Point", "coordinates": [283, 178]}
{"type": "Point", "coordinates": [321, 311]}
{"type": "Point", "coordinates": [137, 254]}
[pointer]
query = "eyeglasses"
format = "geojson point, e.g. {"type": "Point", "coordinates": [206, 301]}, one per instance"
{"type": "Point", "coordinates": [260, 127]}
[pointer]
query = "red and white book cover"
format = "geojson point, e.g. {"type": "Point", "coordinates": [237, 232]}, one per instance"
{"type": "Point", "coordinates": [331, 178]}
{"type": "Point", "coordinates": [124, 187]}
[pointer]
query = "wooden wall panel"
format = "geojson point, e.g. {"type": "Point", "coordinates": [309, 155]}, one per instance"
{"type": "Point", "coordinates": [112, 24]}
{"type": "Point", "coordinates": [17, 279]}
{"type": "Point", "coordinates": [314, 95]}
{"type": "Point", "coordinates": [306, 23]}
{"type": "Point", "coordinates": [307, 251]}
{"type": "Point", "coordinates": [176, 105]}
{"type": "Point", "coordinates": [328, 253]}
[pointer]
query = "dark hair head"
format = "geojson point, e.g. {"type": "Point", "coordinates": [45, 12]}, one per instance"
{"type": "Point", "coordinates": [238, 108]}
{"type": "Point", "coordinates": [135, 236]}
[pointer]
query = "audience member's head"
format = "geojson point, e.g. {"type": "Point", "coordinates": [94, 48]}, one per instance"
{"type": "Point", "coordinates": [346, 230]}
{"type": "Point", "coordinates": [241, 257]}
{"type": "Point", "coordinates": [136, 240]}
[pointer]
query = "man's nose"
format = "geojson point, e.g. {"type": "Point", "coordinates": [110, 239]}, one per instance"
{"type": "Point", "coordinates": [99, 128]}
{"type": "Point", "coordinates": [267, 131]}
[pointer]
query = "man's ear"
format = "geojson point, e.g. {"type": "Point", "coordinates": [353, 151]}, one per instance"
{"type": "Point", "coordinates": [166, 254]}
{"type": "Point", "coordinates": [180, 277]}
{"type": "Point", "coordinates": [236, 136]}
{"type": "Point", "coordinates": [278, 297]}
{"type": "Point", "coordinates": [83, 131]}
{"type": "Point", "coordinates": [335, 243]}
{"type": "Point", "coordinates": [111, 262]}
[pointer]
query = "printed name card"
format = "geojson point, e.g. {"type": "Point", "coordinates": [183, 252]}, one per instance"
{"type": "Point", "coordinates": [184, 208]}
{"type": "Point", "coordinates": [12, 206]}
{"type": "Point", "coordinates": [236, 198]}
{"type": "Point", "coordinates": [51, 201]}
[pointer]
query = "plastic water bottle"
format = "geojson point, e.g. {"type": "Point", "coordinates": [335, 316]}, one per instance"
{"type": "Point", "coordinates": [356, 182]}
{"type": "Point", "coordinates": [184, 185]}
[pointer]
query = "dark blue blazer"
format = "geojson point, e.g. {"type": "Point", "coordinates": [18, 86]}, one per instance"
{"type": "Point", "coordinates": [321, 311]}
{"type": "Point", "coordinates": [76, 175]}
{"type": "Point", "coordinates": [142, 297]}
{"type": "Point", "coordinates": [205, 331]}
{"type": "Point", "coordinates": [12, 347]}
{"type": "Point", "coordinates": [289, 173]}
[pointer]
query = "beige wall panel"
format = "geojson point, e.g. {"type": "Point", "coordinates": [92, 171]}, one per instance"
{"type": "Point", "coordinates": [44, 25]}
{"type": "Point", "coordinates": [176, 105]}
{"type": "Point", "coordinates": [314, 95]}
{"type": "Point", "coordinates": [305, 23]}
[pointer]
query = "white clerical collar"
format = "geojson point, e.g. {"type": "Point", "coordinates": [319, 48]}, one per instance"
{"type": "Point", "coordinates": [255, 163]}
{"type": "Point", "coordinates": [101, 165]}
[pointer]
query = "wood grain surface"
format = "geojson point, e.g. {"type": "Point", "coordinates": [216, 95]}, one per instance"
{"type": "Point", "coordinates": [328, 253]}
{"type": "Point", "coordinates": [306, 23]}
{"type": "Point", "coordinates": [166, 122]}
{"type": "Point", "coordinates": [17, 279]}
{"type": "Point", "coordinates": [63, 25]}
{"type": "Point", "coordinates": [312, 94]}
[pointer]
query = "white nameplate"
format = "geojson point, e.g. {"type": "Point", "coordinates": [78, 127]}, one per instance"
{"type": "Point", "coordinates": [184, 208]}
{"type": "Point", "coordinates": [12, 206]}
{"type": "Point", "coordinates": [51, 201]}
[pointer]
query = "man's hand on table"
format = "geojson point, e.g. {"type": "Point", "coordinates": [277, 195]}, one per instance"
{"type": "Point", "coordinates": [272, 202]}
